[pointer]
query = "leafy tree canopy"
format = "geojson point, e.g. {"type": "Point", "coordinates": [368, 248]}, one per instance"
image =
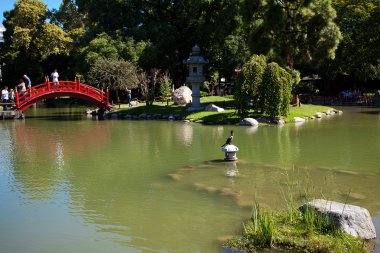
{"type": "Point", "coordinates": [358, 52]}
{"type": "Point", "coordinates": [292, 32]}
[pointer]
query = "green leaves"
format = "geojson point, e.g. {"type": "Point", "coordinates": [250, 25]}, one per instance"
{"type": "Point", "coordinates": [358, 54]}
{"type": "Point", "coordinates": [265, 86]}
{"type": "Point", "coordinates": [293, 32]}
{"type": "Point", "coordinates": [116, 74]}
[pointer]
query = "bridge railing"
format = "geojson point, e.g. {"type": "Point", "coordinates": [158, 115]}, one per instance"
{"type": "Point", "coordinates": [61, 87]}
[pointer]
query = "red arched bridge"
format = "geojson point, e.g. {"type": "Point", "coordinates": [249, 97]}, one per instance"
{"type": "Point", "coordinates": [74, 89]}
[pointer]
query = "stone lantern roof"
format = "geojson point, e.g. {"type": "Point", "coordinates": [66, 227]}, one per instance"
{"type": "Point", "coordinates": [196, 57]}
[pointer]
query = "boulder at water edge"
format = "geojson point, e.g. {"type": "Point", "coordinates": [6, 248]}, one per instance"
{"type": "Point", "coordinates": [213, 108]}
{"type": "Point", "coordinates": [182, 95]}
{"type": "Point", "coordinates": [299, 119]}
{"type": "Point", "coordinates": [249, 122]}
{"type": "Point", "coordinates": [351, 219]}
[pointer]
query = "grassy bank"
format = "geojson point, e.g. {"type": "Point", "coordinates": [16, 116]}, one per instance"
{"type": "Point", "coordinates": [293, 230]}
{"type": "Point", "coordinates": [296, 232]}
{"type": "Point", "coordinates": [228, 116]}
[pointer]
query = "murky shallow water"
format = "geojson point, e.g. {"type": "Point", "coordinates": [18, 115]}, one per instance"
{"type": "Point", "coordinates": [71, 184]}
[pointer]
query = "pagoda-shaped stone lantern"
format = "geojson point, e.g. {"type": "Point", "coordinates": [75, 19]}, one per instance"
{"type": "Point", "coordinates": [195, 63]}
{"type": "Point", "coordinates": [230, 152]}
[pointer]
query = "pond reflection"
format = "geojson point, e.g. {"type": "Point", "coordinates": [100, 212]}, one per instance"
{"type": "Point", "coordinates": [144, 186]}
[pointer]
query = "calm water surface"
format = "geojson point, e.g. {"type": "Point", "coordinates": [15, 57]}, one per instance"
{"type": "Point", "coordinates": [74, 184]}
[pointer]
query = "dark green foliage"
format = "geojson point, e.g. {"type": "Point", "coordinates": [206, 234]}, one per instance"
{"type": "Point", "coordinates": [160, 35]}
{"type": "Point", "coordinates": [271, 92]}
{"type": "Point", "coordinates": [358, 53]}
{"type": "Point", "coordinates": [165, 86]}
{"type": "Point", "coordinates": [114, 74]}
{"type": "Point", "coordinates": [248, 82]}
{"type": "Point", "coordinates": [292, 32]}
{"type": "Point", "coordinates": [267, 87]}
{"type": "Point", "coordinates": [276, 90]}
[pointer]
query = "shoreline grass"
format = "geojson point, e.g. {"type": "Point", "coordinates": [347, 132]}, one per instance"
{"type": "Point", "coordinates": [295, 228]}
{"type": "Point", "coordinates": [306, 232]}
{"type": "Point", "coordinates": [228, 116]}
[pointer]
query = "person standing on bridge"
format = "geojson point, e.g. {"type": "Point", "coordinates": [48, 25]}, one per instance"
{"type": "Point", "coordinates": [54, 77]}
{"type": "Point", "coordinates": [5, 97]}
{"type": "Point", "coordinates": [28, 83]}
{"type": "Point", "coordinates": [21, 89]}
{"type": "Point", "coordinates": [11, 96]}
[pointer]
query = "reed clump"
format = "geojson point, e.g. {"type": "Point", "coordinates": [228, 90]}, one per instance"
{"type": "Point", "coordinates": [295, 230]}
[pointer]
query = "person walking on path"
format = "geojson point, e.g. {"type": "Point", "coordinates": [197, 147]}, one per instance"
{"type": "Point", "coordinates": [54, 77]}
{"type": "Point", "coordinates": [5, 97]}
{"type": "Point", "coordinates": [129, 97]}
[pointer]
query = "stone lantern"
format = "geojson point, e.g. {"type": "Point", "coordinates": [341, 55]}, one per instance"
{"type": "Point", "coordinates": [195, 64]}
{"type": "Point", "coordinates": [230, 152]}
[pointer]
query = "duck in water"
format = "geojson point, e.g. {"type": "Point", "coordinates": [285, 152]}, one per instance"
{"type": "Point", "coordinates": [229, 139]}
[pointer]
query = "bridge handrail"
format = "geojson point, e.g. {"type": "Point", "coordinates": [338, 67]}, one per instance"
{"type": "Point", "coordinates": [62, 86]}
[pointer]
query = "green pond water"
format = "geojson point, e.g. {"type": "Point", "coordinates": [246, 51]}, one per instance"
{"type": "Point", "coordinates": [69, 183]}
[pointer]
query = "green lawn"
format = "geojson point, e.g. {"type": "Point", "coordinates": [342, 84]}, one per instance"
{"type": "Point", "coordinates": [228, 116]}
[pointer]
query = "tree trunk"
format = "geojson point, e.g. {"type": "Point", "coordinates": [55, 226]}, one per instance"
{"type": "Point", "coordinates": [117, 97]}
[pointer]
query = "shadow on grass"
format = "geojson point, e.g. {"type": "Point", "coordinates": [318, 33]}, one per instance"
{"type": "Point", "coordinates": [221, 118]}
{"type": "Point", "coordinates": [154, 109]}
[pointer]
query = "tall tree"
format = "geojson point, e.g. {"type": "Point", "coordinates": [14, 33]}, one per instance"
{"type": "Point", "coordinates": [106, 46]}
{"type": "Point", "coordinates": [248, 84]}
{"type": "Point", "coordinates": [29, 38]}
{"type": "Point", "coordinates": [172, 28]}
{"type": "Point", "coordinates": [358, 52]}
{"type": "Point", "coordinates": [292, 32]}
{"type": "Point", "coordinates": [71, 20]}
{"type": "Point", "coordinates": [115, 74]}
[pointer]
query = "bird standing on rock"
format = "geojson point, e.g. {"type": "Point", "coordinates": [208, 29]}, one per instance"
{"type": "Point", "coordinates": [229, 139]}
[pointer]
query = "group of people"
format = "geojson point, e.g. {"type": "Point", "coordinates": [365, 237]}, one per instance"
{"type": "Point", "coordinates": [348, 94]}
{"type": "Point", "coordinates": [7, 97]}
{"type": "Point", "coordinates": [24, 84]}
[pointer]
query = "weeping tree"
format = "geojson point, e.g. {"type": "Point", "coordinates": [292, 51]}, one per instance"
{"type": "Point", "coordinates": [275, 92]}
{"type": "Point", "coordinates": [267, 87]}
{"type": "Point", "coordinates": [114, 74]}
{"type": "Point", "coordinates": [248, 84]}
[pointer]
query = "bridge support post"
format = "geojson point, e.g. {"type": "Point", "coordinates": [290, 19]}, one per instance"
{"type": "Point", "coordinates": [17, 100]}
{"type": "Point", "coordinates": [48, 84]}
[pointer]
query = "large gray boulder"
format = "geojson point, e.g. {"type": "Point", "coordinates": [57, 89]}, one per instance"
{"type": "Point", "coordinates": [351, 219]}
{"type": "Point", "coordinates": [249, 122]}
{"type": "Point", "coordinates": [182, 95]}
{"type": "Point", "coordinates": [213, 108]}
